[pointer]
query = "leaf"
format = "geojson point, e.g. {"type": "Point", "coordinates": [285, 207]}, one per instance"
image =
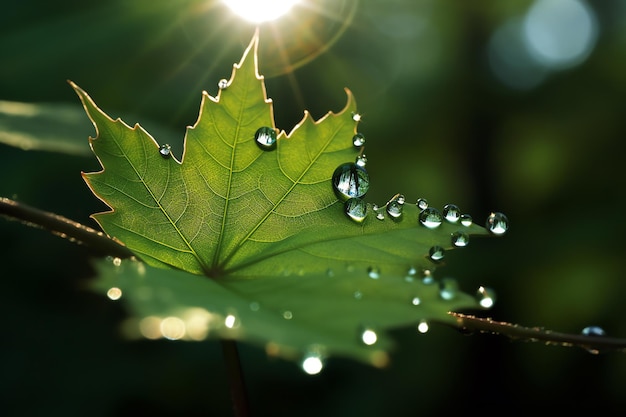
{"type": "Point", "coordinates": [266, 227]}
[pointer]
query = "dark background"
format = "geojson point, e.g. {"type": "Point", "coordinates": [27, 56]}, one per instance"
{"type": "Point", "coordinates": [454, 110]}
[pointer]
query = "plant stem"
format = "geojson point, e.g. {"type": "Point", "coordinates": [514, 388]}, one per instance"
{"type": "Point", "coordinates": [63, 227]}
{"type": "Point", "coordinates": [591, 343]}
{"type": "Point", "coordinates": [235, 378]}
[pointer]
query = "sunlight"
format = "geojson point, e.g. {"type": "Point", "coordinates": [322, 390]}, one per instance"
{"type": "Point", "coordinates": [258, 11]}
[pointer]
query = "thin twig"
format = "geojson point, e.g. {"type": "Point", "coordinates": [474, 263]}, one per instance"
{"type": "Point", "coordinates": [64, 227]}
{"type": "Point", "coordinates": [235, 377]}
{"type": "Point", "coordinates": [591, 343]}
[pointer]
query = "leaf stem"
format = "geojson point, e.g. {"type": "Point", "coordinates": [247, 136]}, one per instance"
{"type": "Point", "coordinates": [591, 343]}
{"type": "Point", "coordinates": [63, 227]}
{"type": "Point", "coordinates": [235, 378]}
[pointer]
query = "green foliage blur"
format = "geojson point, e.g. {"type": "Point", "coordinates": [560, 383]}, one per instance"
{"type": "Point", "coordinates": [454, 111]}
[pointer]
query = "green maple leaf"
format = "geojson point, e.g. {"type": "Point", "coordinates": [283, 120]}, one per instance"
{"type": "Point", "coordinates": [253, 243]}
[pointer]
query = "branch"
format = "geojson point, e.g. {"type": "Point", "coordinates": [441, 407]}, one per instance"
{"type": "Point", "coordinates": [63, 227]}
{"type": "Point", "coordinates": [591, 343]}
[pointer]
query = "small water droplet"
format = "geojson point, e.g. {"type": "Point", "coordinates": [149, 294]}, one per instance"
{"type": "Point", "coordinates": [428, 278]}
{"type": "Point", "coordinates": [451, 213]}
{"type": "Point", "coordinates": [593, 331]}
{"type": "Point", "coordinates": [422, 203]}
{"type": "Point", "coordinates": [369, 336]}
{"type": "Point", "coordinates": [231, 321]}
{"type": "Point", "coordinates": [356, 117]}
{"type": "Point", "coordinates": [460, 239]}
{"type": "Point", "coordinates": [486, 297]}
{"type": "Point", "coordinates": [222, 84]}
{"type": "Point", "coordinates": [350, 180]}
{"type": "Point", "coordinates": [466, 220]}
{"type": "Point", "coordinates": [410, 274]}
{"type": "Point", "coordinates": [430, 217]}
{"type": "Point", "coordinates": [356, 209]}
{"type": "Point", "coordinates": [448, 288]}
{"type": "Point", "coordinates": [357, 295]}
{"type": "Point", "coordinates": [422, 326]}
{"type": "Point", "coordinates": [117, 261]}
{"type": "Point", "coordinates": [165, 150]}
{"type": "Point", "coordinates": [416, 301]}
{"type": "Point", "coordinates": [358, 140]}
{"type": "Point", "coordinates": [330, 272]}
{"type": "Point", "coordinates": [265, 137]}
{"type": "Point", "coordinates": [255, 306]}
{"type": "Point", "coordinates": [436, 253]}
{"type": "Point", "coordinates": [373, 272]}
{"type": "Point", "coordinates": [395, 205]}
{"type": "Point", "coordinates": [287, 315]}
{"type": "Point", "coordinates": [312, 363]}
{"type": "Point", "coordinates": [361, 160]}
{"type": "Point", "coordinates": [497, 223]}
{"type": "Point", "coordinates": [114, 293]}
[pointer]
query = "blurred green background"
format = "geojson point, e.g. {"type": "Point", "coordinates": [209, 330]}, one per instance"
{"type": "Point", "coordinates": [513, 106]}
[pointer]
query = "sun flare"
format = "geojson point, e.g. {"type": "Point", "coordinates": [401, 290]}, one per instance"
{"type": "Point", "coordinates": [258, 11]}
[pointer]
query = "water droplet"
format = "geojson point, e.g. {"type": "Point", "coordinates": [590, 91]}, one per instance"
{"type": "Point", "coordinates": [358, 140]}
{"type": "Point", "coordinates": [460, 239]}
{"type": "Point", "coordinates": [222, 84]}
{"type": "Point", "coordinates": [430, 217]}
{"type": "Point", "coordinates": [394, 206]}
{"type": "Point", "coordinates": [357, 295]}
{"type": "Point", "coordinates": [373, 272]}
{"type": "Point", "coordinates": [410, 274]}
{"type": "Point", "coordinates": [422, 203]}
{"type": "Point", "coordinates": [416, 301]}
{"type": "Point", "coordinates": [369, 337]}
{"type": "Point", "coordinates": [312, 363]}
{"type": "Point", "coordinates": [428, 278]}
{"type": "Point", "coordinates": [361, 160]}
{"type": "Point", "coordinates": [436, 253]}
{"type": "Point", "coordinates": [593, 331]}
{"type": "Point", "coordinates": [330, 272]}
{"type": "Point", "coordinates": [486, 297]}
{"type": "Point", "coordinates": [451, 213]}
{"type": "Point", "coordinates": [356, 117]}
{"type": "Point", "coordinates": [165, 150]}
{"type": "Point", "coordinates": [422, 326]}
{"type": "Point", "coordinates": [350, 180]}
{"type": "Point", "coordinates": [466, 220]}
{"type": "Point", "coordinates": [448, 288]}
{"type": "Point", "coordinates": [255, 306]}
{"type": "Point", "coordinates": [117, 261]}
{"type": "Point", "coordinates": [497, 223]}
{"type": "Point", "coordinates": [230, 321]}
{"type": "Point", "coordinates": [380, 213]}
{"type": "Point", "coordinates": [265, 137]}
{"type": "Point", "coordinates": [356, 209]}
{"type": "Point", "coordinates": [287, 315]}
{"type": "Point", "coordinates": [114, 293]}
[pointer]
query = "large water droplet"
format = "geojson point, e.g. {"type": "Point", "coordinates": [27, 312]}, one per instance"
{"type": "Point", "coordinates": [358, 140]}
{"type": "Point", "coordinates": [497, 223]}
{"type": "Point", "coordinates": [369, 336]}
{"type": "Point", "coordinates": [350, 180]}
{"type": "Point", "coordinates": [486, 297]}
{"type": "Point", "coordinates": [466, 220]}
{"type": "Point", "coordinates": [422, 203]}
{"type": "Point", "coordinates": [449, 288]}
{"type": "Point", "coordinates": [451, 213]}
{"type": "Point", "coordinates": [356, 209]}
{"type": "Point", "coordinates": [436, 253]}
{"type": "Point", "coordinates": [265, 137]}
{"type": "Point", "coordinates": [460, 239]}
{"type": "Point", "coordinates": [395, 205]}
{"type": "Point", "coordinates": [431, 217]}
{"type": "Point", "coordinates": [165, 150]}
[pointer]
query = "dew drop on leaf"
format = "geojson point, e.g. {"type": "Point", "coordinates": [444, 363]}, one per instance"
{"type": "Point", "coordinates": [287, 315]}
{"type": "Point", "coordinates": [373, 272]}
{"type": "Point", "coordinates": [449, 288]}
{"type": "Point", "coordinates": [416, 301]}
{"type": "Point", "coordinates": [451, 213]}
{"type": "Point", "coordinates": [466, 220]}
{"type": "Point", "coordinates": [422, 326]}
{"type": "Point", "coordinates": [231, 321]}
{"type": "Point", "coordinates": [486, 297]}
{"type": "Point", "coordinates": [222, 84]}
{"type": "Point", "coordinates": [593, 331]}
{"type": "Point", "coordinates": [436, 253]}
{"type": "Point", "coordinates": [497, 223]}
{"type": "Point", "coordinates": [254, 306]}
{"type": "Point", "coordinates": [357, 295]}
{"type": "Point", "coordinates": [428, 278]}
{"type": "Point", "coordinates": [356, 209]}
{"type": "Point", "coordinates": [265, 137]}
{"type": "Point", "coordinates": [394, 206]}
{"type": "Point", "coordinates": [369, 336]}
{"type": "Point", "coordinates": [460, 239]}
{"type": "Point", "coordinates": [358, 140]}
{"type": "Point", "coordinates": [356, 117]}
{"type": "Point", "coordinates": [312, 363]}
{"type": "Point", "coordinates": [422, 203]}
{"type": "Point", "coordinates": [361, 160]}
{"type": "Point", "coordinates": [165, 150]}
{"type": "Point", "coordinates": [430, 217]}
{"type": "Point", "coordinates": [350, 180]}
{"type": "Point", "coordinates": [114, 293]}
